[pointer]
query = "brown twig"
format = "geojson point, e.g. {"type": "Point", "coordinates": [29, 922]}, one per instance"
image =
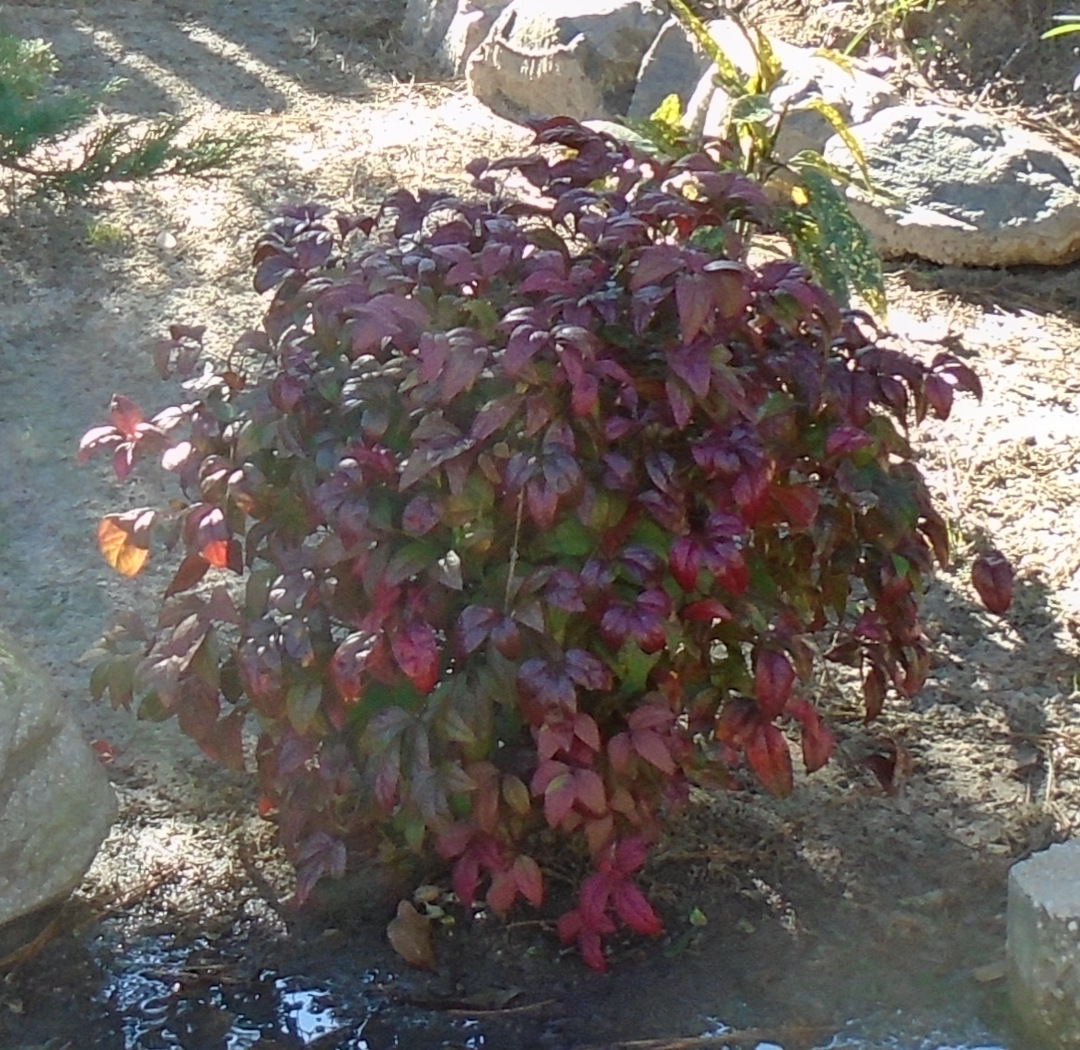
{"type": "Point", "coordinates": [740, 1037]}
{"type": "Point", "coordinates": [500, 1011]}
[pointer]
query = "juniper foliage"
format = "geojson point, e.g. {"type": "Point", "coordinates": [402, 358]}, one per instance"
{"type": "Point", "coordinates": [38, 120]}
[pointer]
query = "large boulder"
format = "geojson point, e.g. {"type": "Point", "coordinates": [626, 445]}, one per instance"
{"type": "Point", "coordinates": [56, 804]}
{"type": "Point", "coordinates": [673, 65]}
{"type": "Point", "coordinates": [450, 30]}
{"type": "Point", "coordinates": [426, 22]}
{"type": "Point", "coordinates": [575, 58]}
{"type": "Point", "coordinates": [966, 188]}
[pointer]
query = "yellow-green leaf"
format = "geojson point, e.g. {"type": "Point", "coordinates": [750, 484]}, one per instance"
{"type": "Point", "coordinates": [839, 125]}
{"type": "Point", "coordinates": [669, 114]}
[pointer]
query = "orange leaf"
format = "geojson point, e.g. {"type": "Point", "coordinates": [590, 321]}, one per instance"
{"type": "Point", "coordinates": [409, 934]}
{"type": "Point", "coordinates": [118, 547]}
{"type": "Point", "coordinates": [216, 552]}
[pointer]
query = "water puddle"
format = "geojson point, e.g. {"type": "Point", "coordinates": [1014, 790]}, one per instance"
{"type": "Point", "coordinates": [157, 997]}
{"type": "Point", "coordinates": [150, 993]}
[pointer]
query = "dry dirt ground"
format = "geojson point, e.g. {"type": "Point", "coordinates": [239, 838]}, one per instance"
{"type": "Point", "coordinates": [842, 917]}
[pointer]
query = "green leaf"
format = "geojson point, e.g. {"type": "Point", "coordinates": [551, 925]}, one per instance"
{"type": "Point", "coordinates": [752, 109]}
{"type": "Point", "coordinates": [411, 560]}
{"type": "Point", "coordinates": [837, 247]}
{"type": "Point", "coordinates": [99, 679]}
{"type": "Point", "coordinates": [302, 703]}
{"type": "Point", "coordinates": [455, 728]}
{"type": "Point", "coordinates": [632, 667]}
{"type": "Point", "coordinates": [570, 538]}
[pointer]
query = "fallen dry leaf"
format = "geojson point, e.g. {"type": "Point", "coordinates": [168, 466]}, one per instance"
{"type": "Point", "coordinates": [409, 934]}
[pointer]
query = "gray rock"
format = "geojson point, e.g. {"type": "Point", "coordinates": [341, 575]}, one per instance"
{"type": "Point", "coordinates": [973, 191]}
{"type": "Point", "coordinates": [427, 21]}
{"type": "Point", "coordinates": [854, 93]}
{"type": "Point", "coordinates": [576, 58]}
{"type": "Point", "coordinates": [1043, 944]}
{"type": "Point", "coordinates": [674, 65]}
{"type": "Point", "coordinates": [470, 25]}
{"type": "Point", "coordinates": [56, 804]}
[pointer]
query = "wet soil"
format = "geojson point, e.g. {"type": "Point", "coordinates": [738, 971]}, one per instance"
{"type": "Point", "coordinates": [843, 916]}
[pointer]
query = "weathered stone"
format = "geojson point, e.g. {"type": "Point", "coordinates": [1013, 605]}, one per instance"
{"type": "Point", "coordinates": [855, 94]}
{"type": "Point", "coordinates": [673, 65]}
{"type": "Point", "coordinates": [575, 58]}
{"type": "Point", "coordinates": [470, 25]}
{"type": "Point", "coordinates": [1043, 939]}
{"type": "Point", "coordinates": [56, 804]}
{"type": "Point", "coordinates": [427, 21]}
{"type": "Point", "coordinates": [974, 191]}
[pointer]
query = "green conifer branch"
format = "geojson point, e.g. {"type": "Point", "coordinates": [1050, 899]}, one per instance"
{"type": "Point", "coordinates": [35, 120]}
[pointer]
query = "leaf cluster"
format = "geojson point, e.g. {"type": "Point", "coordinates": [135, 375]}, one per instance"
{"type": "Point", "coordinates": [533, 514]}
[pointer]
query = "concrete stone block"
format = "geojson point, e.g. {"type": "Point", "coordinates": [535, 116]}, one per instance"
{"type": "Point", "coordinates": [1043, 944]}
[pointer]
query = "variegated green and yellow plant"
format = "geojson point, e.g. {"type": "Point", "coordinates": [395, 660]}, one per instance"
{"type": "Point", "coordinates": [815, 218]}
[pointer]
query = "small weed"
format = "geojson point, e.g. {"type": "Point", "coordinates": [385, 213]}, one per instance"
{"type": "Point", "coordinates": [888, 23]}
{"type": "Point", "coordinates": [106, 236]}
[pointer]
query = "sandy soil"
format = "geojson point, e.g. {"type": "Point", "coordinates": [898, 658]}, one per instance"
{"type": "Point", "coordinates": [840, 902]}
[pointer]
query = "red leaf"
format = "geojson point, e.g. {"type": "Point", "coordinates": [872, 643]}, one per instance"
{"type": "Point", "coordinates": [125, 415]}
{"type": "Point", "coordinates": [506, 637]}
{"type": "Point", "coordinates": [817, 740]}
{"type": "Point", "coordinates": [682, 408]}
{"type": "Point", "coordinates": [654, 264]}
{"type": "Point", "coordinates": [568, 926]}
{"type": "Point", "coordinates": [652, 748]}
{"type": "Point", "coordinates": [992, 576]}
{"type": "Point", "coordinates": [874, 692]}
{"type": "Point", "coordinates": [420, 516]}
{"type": "Point", "coordinates": [559, 798]}
{"type": "Point", "coordinates": [706, 610]}
{"type": "Point", "coordinates": [416, 651]}
{"type": "Point", "coordinates": [590, 792]}
{"type": "Point", "coordinates": [846, 439]}
{"type": "Point", "coordinates": [799, 504]}
{"type": "Point", "coordinates": [225, 743]}
{"type": "Point", "coordinates": [635, 910]}
{"type": "Point", "coordinates": [462, 368]}
{"type": "Point", "coordinates": [502, 892]}
{"type": "Point", "coordinates": [474, 626]}
{"type": "Point", "coordinates": [773, 679]}
{"type": "Point", "coordinates": [593, 900]}
{"type": "Point", "coordinates": [545, 773]}
{"type": "Point", "coordinates": [630, 854]}
{"type": "Point", "coordinates": [587, 731]}
{"type": "Point", "coordinates": [465, 876]}
{"type": "Point", "coordinates": [884, 769]}
{"type": "Point", "coordinates": [768, 756]}
{"type": "Point", "coordinates": [592, 951]}
{"type": "Point", "coordinates": [192, 569]}
{"type": "Point", "coordinates": [939, 392]}
{"type": "Point", "coordinates": [123, 459]}
{"type": "Point", "coordinates": [619, 751]}
{"type": "Point", "coordinates": [349, 661]}
{"type": "Point", "coordinates": [693, 298]}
